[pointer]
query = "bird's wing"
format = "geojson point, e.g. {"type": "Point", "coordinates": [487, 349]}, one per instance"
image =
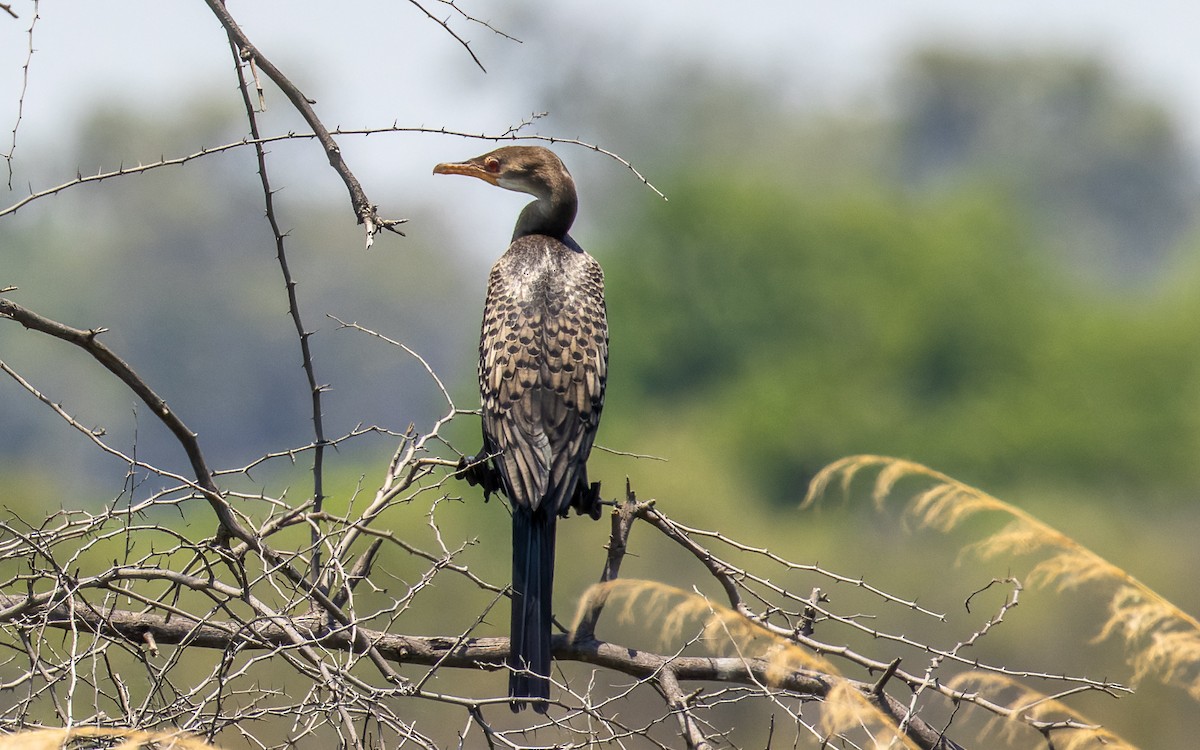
{"type": "Point", "coordinates": [542, 371]}
{"type": "Point", "coordinates": [573, 374]}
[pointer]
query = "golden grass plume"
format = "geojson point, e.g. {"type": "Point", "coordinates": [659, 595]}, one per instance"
{"type": "Point", "coordinates": [113, 738]}
{"type": "Point", "coordinates": [674, 615]}
{"type": "Point", "coordinates": [1161, 639]}
{"type": "Point", "coordinates": [1023, 704]}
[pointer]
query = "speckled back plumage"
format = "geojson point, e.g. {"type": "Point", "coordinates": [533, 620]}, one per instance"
{"type": "Point", "coordinates": [543, 361]}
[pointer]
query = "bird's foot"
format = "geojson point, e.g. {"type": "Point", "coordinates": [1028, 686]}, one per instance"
{"type": "Point", "coordinates": [586, 501]}
{"type": "Point", "coordinates": [479, 472]}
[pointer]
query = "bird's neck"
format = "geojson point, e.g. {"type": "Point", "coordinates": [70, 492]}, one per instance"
{"type": "Point", "coordinates": [552, 213]}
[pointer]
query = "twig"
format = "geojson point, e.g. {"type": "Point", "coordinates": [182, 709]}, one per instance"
{"type": "Point", "coordinates": [623, 517]}
{"type": "Point", "coordinates": [8, 157]}
{"type": "Point", "coordinates": [407, 350]}
{"type": "Point", "coordinates": [627, 454]}
{"type": "Point", "coordinates": [668, 685]}
{"type": "Point", "coordinates": [446, 26]}
{"type": "Point", "coordinates": [1012, 601]}
{"type": "Point", "coordinates": [367, 212]}
{"type": "Point", "coordinates": [358, 572]}
{"type": "Point", "coordinates": [123, 171]}
{"type": "Point", "coordinates": [88, 341]}
{"type": "Point", "coordinates": [466, 16]}
{"type": "Point", "coordinates": [230, 526]}
{"type": "Point", "coordinates": [314, 388]}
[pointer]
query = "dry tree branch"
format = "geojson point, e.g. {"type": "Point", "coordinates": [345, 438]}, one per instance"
{"type": "Point", "coordinates": [89, 342]}
{"type": "Point", "coordinates": [936, 662]}
{"type": "Point", "coordinates": [733, 580]}
{"type": "Point", "coordinates": [366, 212]}
{"type": "Point", "coordinates": [1024, 707]}
{"type": "Point", "coordinates": [445, 24]}
{"type": "Point", "coordinates": [8, 157]}
{"type": "Point", "coordinates": [771, 662]}
{"type": "Point", "coordinates": [292, 453]}
{"type": "Point", "coordinates": [432, 651]}
{"type": "Point", "coordinates": [322, 633]}
{"type": "Point", "coordinates": [230, 526]}
{"type": "Point", "coordinates": [314, 388]}
{"type": "Point", "coordinates": [668, 685]}
{"type": "Point", "coordinates": [309, 635]}
{"type": "Point", "coordinates": [92, 434]}
{"type": "Point", "coordinates": [407, 350]}
{"type": "Point", "coordinates": [623, 517]}
{"type": "Point", "coordinates": [510, 134]}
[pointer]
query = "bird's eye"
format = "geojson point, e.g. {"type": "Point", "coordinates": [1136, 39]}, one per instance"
{"type": "Point", "coordinates": [492, 165]}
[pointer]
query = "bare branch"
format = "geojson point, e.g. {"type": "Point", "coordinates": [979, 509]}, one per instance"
{"type": "Point", "coordinates": [446, 27]}
{"type": "Point", "coordinates": [88, 341]}
{"type": "Point", "coordinates": [306, 357]}
{"type": "Point", "coordinates": [433, 651]}
{"type": "Point", "coordinates": [468, 17]}
{"type": "Point", "coordinates": [509, 135]}
{"type": "Point", "coordinates": [618, 542]}
{"type": "Point", "coordinates": [8, 157]}
{"type": "Point", "coordinates": [688, 728]}
{"type": "Point", "coordinates": [363, 208]}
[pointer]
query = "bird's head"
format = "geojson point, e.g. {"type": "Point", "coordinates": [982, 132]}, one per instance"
{"type": "Point", "coordinates": [525, 169]}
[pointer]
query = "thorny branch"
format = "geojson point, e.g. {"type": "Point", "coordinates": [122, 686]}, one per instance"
{"type": "Point", "coordinates": [315, 389]}
{"type": "Point", "coordinates": [510, 134]}
{"type": "Point", "coordinates": [366, 212]}
{"type": "Point", "coordinates": [230, 525]}
{"type": "Point", "coordinates": [88, 341]}
{"type": "Point", "coordinates": [12, 150]}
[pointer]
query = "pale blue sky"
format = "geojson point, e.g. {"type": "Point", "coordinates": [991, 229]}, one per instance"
{"type": "Point", "coordinates": [150, 48]}
{"type": "Point", "coordinates": [388, 61]}
{"type": "Point", "coordinates": [374, 63]}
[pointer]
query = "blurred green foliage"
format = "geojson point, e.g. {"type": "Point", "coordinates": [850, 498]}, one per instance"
{"type": "Point", "coordinates": [928, 311]}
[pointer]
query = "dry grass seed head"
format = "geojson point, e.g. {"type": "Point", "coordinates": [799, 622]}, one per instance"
{"type": "Point", "coordinates": [1162, 639]}
{"type": "Point", "coordinates": [114, 738]}
{"type": "Point", "coordinates": [1026, 703]}
{"type": "Point", "coordinates": [844, 707]}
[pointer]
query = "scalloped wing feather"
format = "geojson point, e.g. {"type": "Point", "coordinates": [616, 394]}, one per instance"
{"type": "Point", "coordinates": [542, 368]}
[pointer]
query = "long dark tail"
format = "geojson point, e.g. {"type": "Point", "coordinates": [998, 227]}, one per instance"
{"type": "Point", "coordinates": [533, 586]}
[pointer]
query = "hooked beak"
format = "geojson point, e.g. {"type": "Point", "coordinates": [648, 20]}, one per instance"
{"type": "Point", "coordinates": [468, 168]}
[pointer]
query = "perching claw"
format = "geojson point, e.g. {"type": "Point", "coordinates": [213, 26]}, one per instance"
{"type": "Point", "coordinates": [587, 501]}
{"type": "Point", "coordinates": [481, 473]}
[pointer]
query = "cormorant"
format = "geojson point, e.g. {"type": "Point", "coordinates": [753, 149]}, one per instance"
{"type": "Point", "coordinates": [543, 360]}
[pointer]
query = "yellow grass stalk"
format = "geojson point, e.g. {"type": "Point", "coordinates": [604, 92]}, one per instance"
{"type": "Point", "coordinates": [113, 738]}
{"type": "Point", "coordinates": [1161, 639]}
{"type": "Point", "coordinates": [674, 612]}
{"type": "Point", "coordinates": [1072, 730]}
